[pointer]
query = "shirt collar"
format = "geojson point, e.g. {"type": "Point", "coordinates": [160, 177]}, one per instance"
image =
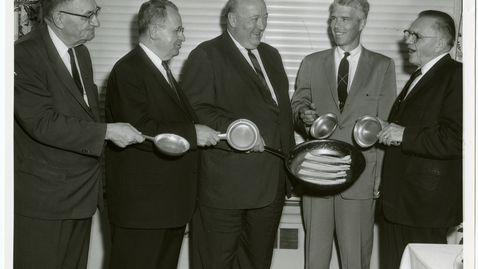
{"type": "Point", "coordinates": [353, 53]}
{"type": "Point", "coordinates": [59, 45]}
{"type": "Point", "coordinates": [431, 63]}
{"type": "Point", "coordinates": [238, 45]}
{"type": "Point", "coordinates": [154, 58]}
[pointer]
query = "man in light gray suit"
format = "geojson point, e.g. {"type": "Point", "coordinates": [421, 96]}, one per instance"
{"type": "Point", "coordinates": [349, 81]}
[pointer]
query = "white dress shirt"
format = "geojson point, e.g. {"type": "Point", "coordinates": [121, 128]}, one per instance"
{"type": "Point", "coordinates": [258, 56]}
{"type": "Point", "coordinates": [65, 57]}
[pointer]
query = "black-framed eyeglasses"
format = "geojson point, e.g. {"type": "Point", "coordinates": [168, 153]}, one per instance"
{"type": "Point", "coordinates": [88, 17]}
{"type": "Point", "coordinates": [415, 36]}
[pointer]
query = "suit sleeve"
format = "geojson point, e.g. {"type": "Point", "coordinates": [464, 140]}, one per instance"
{"type": "Point", "coordinates": [37, 105]}
{"type": "Point", "coordinates": [443, 140]}
{"type": "Point", "coordinates": [302, 97]}
{"type": "Point", "coordinates": [199, 86]}
{"type": "Point", "coordinates": [128, 101]}
{"type": "Point", "coordinates": [388, 94]}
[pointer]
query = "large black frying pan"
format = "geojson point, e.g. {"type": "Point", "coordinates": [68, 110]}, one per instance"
{"type": "Point", "coordinates": [242, 135]}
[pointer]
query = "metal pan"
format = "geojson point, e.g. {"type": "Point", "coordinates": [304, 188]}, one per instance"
{"type": "Point", "coordinates": [241, 134]}
{"type": "Point", "coordinates": [365, 131]}
{"type": "Point", "coordinates": [324, 126]}
{"type": "Point", "coordinates": [329, 147]}
{"type": "Point", "coordinates": [170, 144]}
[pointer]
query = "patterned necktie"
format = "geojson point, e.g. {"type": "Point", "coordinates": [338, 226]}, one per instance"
{"type": "Point", "coordinates": [404, 92]}
{"type": "Point", "coordinates": [170, 78]}
{"type": "Point", "coordinates": [258, 69]}
{"type": "Point", "coordinates": [74, 71]}
{"type": "Point", "coordinates": [343, 80]}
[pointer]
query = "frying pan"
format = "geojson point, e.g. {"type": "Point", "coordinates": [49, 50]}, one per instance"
{"type": "Point", "coordinates": [296, 155]}
{"type": "Point", "coordinates": [331, 147]}
{"type": "Point", "coordinates": [170, 144]}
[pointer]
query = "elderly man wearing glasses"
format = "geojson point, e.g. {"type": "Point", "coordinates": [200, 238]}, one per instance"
{"type": "Point", "coordinates": [59, 139]}
{"type": "Point", "coordinates": [422, 172]}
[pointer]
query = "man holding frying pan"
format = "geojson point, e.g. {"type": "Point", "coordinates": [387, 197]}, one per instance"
{"type": "Point", "coordinates": [349, 81]}
{"type": "Point", "coordinates": [241, 195]}
{"type": "Point", "coordinates": [152, 196]}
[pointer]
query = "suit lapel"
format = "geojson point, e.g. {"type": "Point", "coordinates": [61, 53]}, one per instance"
{"type": "Point", "coordinates": [242, 62]}
{"type": "Point", "coordinates": [164, 84]}
{"type": "Point", "coordinates": [91, 91]}
{"type": "Point", "coordinates": [420, 85]}
{"type": "Point", "coordinates": [329, 66]}
{"type": "Point", "coordinates": [62, 72]}
{"type": "Point", "coordinates": [363, 68]}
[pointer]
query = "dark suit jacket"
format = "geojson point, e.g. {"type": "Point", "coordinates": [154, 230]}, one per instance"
{"type": "Point", "coordinates": [422, 178]}
{"type": "Point", "coordinates": [58, 139]}
{"type": "Point", "coordinates": [373, 92]}
{"type": "Point", "coordinates": [222, 87]}
{"type": "Point", "coordinates": [145, 188]}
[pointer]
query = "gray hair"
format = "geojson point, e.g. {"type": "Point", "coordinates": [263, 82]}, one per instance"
{"type": "Point", "coordinates": [231, 6]}
{"type": "Point", "coordinates": [49, 6]}
{"type": "Point", "coordinates": [444, 24]}
{"type": "Point", "coordinates": [360, 5]}
{"type": "Point", "coordinates": [151, 11]}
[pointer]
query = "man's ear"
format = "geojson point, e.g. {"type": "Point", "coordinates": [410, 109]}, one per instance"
{"type": "Point", "coordinates": [57, 19]}
{"type": "Point", "coordinates": [232, 18]}
{"type": "Point", "coordinates": [441, 45]}
{"type": "Point", "coordinates": [153, 31]}
{"type": "Point", "coordinates": [363, 22]}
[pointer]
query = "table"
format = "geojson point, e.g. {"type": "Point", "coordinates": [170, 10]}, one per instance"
{"type": "Point", "coordinates": [432, 256]}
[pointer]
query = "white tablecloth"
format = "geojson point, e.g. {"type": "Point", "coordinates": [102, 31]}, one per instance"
{"type": "Point", "coordinates": [432, 256]}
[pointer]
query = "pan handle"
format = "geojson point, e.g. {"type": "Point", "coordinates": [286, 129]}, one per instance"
{"type": "Point", "coordinates": [275, 152]}
{"type": "Point", "coordinates": [148, 137]}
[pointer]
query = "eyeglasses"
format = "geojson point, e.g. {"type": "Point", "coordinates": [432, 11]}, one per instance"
{"type": "Point", "coordinates": [88, 17]}
{"type": "Point", "coordinates": [177, 31]}
{"type": "Point", "coordinates": [415, 36]}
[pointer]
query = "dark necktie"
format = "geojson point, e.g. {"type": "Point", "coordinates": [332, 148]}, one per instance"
{"type": "Point", "coordinates": [74, 71]}
{"type": "Point", "coordinates": [170, 78]}
{"type": "Point", "coordinates": [404, 92]}
{"type": "Point", "coordinates": [258, 69]}
{"type": "Point", "coordinates": [343, 80]}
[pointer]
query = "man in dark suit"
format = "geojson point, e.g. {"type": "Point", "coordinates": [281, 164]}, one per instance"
{"type": "Point", "coordinates": [241, 194]}
{"type": "Point", "coordinates": [370, 90]}
{"type": "Point", "coordinates": [422, 176]}
{"type": "Point", "coordinates": [59, 139]}
{"type": "Point", "coordinates": [151, 196]}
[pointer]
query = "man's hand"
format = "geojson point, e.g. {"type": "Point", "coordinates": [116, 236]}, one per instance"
{"type": "Point", "coordinates": [123, 134]}
{"type": "Point", "coordinates": [206, 136]}
{"type": "Point", "coordinates": [308, 115]}
{"type": "Point", "coordinates": [392, 134]}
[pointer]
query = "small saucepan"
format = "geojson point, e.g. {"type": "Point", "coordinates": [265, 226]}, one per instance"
{"type": "Point", "coordinates": [170, 144]}
{"type": "Point", "coordinates": [242, 135]}
{"type": "Point", "coordinates": [324, 126]}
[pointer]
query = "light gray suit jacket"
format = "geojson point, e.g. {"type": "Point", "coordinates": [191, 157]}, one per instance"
{"type": "Point", "coordinates": [372, 92]}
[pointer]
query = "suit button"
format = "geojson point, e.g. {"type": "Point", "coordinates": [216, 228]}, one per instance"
{"type": "Point", "coordinates": [341, 127]}
{"type": "Point", "coordinates": [85, 151]}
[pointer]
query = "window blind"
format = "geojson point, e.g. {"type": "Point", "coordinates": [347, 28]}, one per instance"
{"type": "Point", "coordinates": [295, 27]}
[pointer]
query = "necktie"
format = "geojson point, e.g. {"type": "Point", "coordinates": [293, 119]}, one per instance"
{"type": "Point", "coordinates": [74, 71]}
{"type": "Point", "coordinates": [343, 80]}
{"type": "Point", "coordinates": [170, 78]}
{"type": "Point", "coordinates": [258, 69]}
{"type": "Point", "coordinates": [404, 92]}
